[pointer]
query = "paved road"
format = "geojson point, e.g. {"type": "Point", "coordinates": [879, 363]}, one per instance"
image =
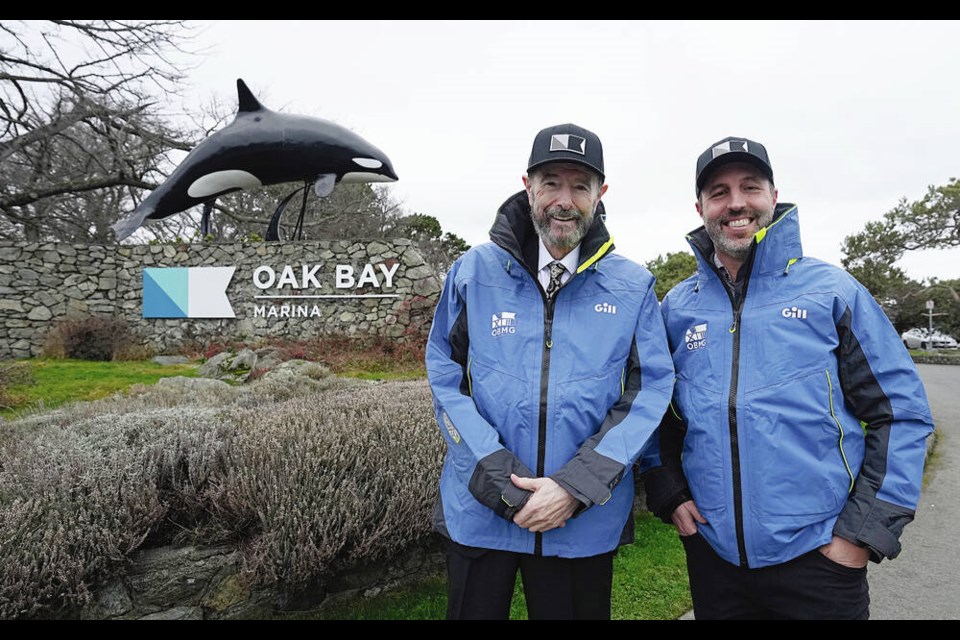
{"type": "Point", "coordinates": [923, 582]}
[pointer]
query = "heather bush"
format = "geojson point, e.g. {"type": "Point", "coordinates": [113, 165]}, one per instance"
{"type": "Point", "coordinates": [357, 484]}
{"type": "Point", "coordinates": [76, 499]}
{"type": "Point", "coordinates": [306, 478]}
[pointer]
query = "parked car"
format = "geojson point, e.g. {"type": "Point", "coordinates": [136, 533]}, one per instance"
{"type": "Point", "coordinates": [943, 341]}
{"type": "Point", "coordinates": [924, 339]}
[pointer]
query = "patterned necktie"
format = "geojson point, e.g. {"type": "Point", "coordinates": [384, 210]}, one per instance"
{"type": "Point", "coordinates": [556, 271]}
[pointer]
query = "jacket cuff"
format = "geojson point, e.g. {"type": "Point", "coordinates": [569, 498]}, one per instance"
{"type": "Point", "coordinates": [665, 512]}
{"type": "Point", "coordinates": [589, 477]}
{"type": "Point", "coordinates": [666, 489]}
{"type": "Point", "coordinates": [873, 523]}
{"type": "Point", "coordinates": [490, 483]}
{"type": "Point", "coordinates": [513, 498]}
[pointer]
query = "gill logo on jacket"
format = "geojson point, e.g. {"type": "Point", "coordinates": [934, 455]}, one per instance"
{"type": "Point", "coordinates": [502, 323]}
{"type": "Point", "coordinates": [794, 312]}
{"type": "Point", "coordinates": [696, 337]}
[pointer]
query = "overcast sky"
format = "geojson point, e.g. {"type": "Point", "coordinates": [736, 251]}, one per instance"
{"type": "Point", "coordinates": [855, 115]}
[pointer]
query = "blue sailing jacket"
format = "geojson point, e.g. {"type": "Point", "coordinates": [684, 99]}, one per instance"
{"type": "Point", "coordinates": [797, 416]}
{"type": "Point", "coordinates": [571, 389]}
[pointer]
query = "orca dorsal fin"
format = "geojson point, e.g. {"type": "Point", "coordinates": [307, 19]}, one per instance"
{"type": "Point", "coordinates": [247, 102]}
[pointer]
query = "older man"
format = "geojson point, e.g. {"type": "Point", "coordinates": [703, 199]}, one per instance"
{"type": "Point", "coordinates": [550, 370]}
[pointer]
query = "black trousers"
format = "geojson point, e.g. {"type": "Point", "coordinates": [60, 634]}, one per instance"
{"type": "Point", "coordinates": [481, 582]}
{"type": "Point", "coordinates": [809, 587]}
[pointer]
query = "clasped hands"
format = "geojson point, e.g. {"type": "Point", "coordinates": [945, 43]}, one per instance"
{"type": "Point", "coordinates": [549, 507]}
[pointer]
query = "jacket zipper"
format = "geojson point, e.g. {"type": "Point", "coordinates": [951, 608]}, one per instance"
{"type": "Point", "coordinates": [735, 329]}
{"type": "Point", "coordinates": [544, 388]}
{"type": "Point", "coordinates": [734, 438]}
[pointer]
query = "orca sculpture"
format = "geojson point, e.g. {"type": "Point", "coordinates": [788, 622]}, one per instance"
{"type": "Point", "coordinates": [262, 147]}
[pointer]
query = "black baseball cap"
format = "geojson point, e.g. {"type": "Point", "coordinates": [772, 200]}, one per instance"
{"type": "Point", "coordinates": [732, 149]}
{"type": "Point", "coordinates": [567, 143]}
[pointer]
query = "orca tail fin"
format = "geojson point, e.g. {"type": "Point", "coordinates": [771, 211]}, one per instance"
{"type": "Point", "coordinates": [124, 228]}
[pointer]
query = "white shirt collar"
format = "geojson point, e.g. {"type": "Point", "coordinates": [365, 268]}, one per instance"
{"type": "Point", "coordinates": [571, 261]}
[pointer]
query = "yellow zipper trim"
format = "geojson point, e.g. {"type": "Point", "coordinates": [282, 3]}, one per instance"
{"type": "Point", "coordinates": [623, 387]}
{"type": "Point", "coordinates": [761, 234]}
{"type": "Point", "coordinates": [673, 409]}
{"type": "Point", "coordinates": [599, 254]}
{"type": "Point", "coordinates": [840, 427]}
{"type": "Point", "coordinates": [469, 378]}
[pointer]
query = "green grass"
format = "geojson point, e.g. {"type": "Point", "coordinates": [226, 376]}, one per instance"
{"type": "Point", "coordinates": [949, 353]}
{"type": "Point", "coordinates": [650, 576]}
{"type": "Point", "coordinates": [649, 583]}
{"type": "Point", "coordinates": [424, 600]}
{"type": "Point", "coordinates": [60, 381]}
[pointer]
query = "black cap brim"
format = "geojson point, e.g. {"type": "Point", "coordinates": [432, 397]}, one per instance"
{"type": "Point", "coordinates": [727, 158]}
{"type": "Point", "coordinates": [569, 160]}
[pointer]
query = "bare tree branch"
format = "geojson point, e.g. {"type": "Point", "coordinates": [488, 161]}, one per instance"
{"type": "Point", "coordinates": [74, 187]}
{"type": "Point", "coordinates": [78, 115]}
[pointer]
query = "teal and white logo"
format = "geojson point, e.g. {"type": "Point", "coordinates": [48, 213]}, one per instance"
{"type": "Point", "coordinates": [187, 292]}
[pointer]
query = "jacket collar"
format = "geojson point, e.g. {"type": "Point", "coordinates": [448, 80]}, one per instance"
{"type": "Point", "coordinates": [774, 247]}
{"type": "Point", "coordinates": [513, 231]}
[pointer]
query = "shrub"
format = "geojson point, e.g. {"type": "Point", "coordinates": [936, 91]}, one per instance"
{"type": "Point", "coordinates": [349, 483]}
{"type": "Point", "coordinates": [307, 479]}
{"type": "Point", "coordinates": [90, 338]}
{"type": "Point", "coordinates": [13, 374]}
{"type": "Point", "coordinates": [339, 352]}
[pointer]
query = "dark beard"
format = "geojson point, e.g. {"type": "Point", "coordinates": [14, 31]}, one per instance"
{"type": "Point", "coordinates": [738, 249]}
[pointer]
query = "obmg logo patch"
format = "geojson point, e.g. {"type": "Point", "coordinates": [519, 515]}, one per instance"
{"type": "Point", "coordinates": [696, 338]}
{"type": "Point", "coordinates": [502, 323]}
{"type": "Point", "coordinates": [187, 292]}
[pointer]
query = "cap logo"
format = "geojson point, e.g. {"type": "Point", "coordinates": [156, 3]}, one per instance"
{"type": "Point", "coordinates": [730, 145]}
{"type": "Point", "coordinates": [568, 142]}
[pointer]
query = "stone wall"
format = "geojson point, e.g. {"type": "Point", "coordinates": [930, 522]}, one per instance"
{"type": "Point", "coordinates": [319, 288]}
{"type": "Point", "coordinates": [204, 583]}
